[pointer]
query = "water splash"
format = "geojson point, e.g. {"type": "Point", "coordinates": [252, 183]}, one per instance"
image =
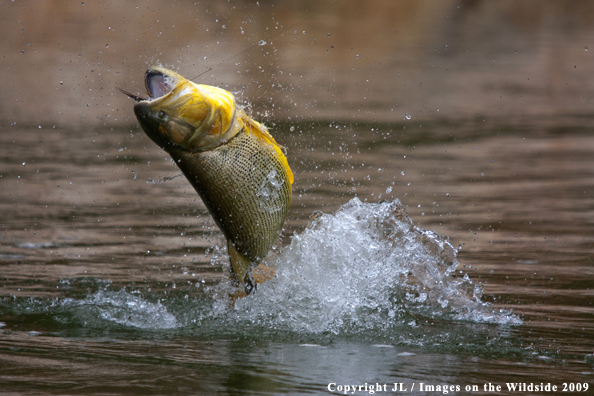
{"type": "Point", "coordinates": [366, 267]}
{"type": "Point", "coordinates": [269, 192]}
{"type": "Point", "coordinates": [165, 179]}
{"type": "Point", "coordinates": [123, 308]}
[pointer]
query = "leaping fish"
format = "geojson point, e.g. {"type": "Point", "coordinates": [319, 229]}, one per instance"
{"type": "Point", "coordinates": [235, 165]}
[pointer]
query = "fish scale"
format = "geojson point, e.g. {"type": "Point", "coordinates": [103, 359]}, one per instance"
{"type": "Point", "coordinates": [227, 179]}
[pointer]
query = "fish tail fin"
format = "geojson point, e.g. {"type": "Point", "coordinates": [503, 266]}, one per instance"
{"type": "Point", "coordinates": [241, 266]}
{"type": "Point", "coordinates": [262, 273]}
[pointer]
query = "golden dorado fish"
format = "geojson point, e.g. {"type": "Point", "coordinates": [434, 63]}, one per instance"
{"type": "Point", "coordinates": [232, 161]}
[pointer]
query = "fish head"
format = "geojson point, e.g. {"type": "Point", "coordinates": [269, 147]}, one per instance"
{"type": "Point", "coordinates": [181, 113]}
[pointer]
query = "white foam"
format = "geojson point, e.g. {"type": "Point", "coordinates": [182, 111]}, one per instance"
{"type": "Point", "coordinates": [365, 267]}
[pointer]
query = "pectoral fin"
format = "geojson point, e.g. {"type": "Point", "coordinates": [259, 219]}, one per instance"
{"type": "Point", "coordinates": [241, 268]}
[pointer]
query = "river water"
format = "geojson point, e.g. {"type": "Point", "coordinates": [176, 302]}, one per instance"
{"type": "Point", "coordinates": [440, 235]}
{"type": "Point", "coordinates": [112, 268]}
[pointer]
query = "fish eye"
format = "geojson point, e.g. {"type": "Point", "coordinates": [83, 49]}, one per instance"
{"type": "Point", "coordinates": [162, 114]}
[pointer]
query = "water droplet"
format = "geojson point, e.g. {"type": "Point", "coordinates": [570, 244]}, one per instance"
{"type": "Point", "coordinates": [261, 42]}
{"type": "Point", "coordinates": [402, 173]}
{"type": "Point", "coordinates": [106, 45]}
{"type": "Point", "coordinates": [292, 129]}
{"type": "Point", "coordinates": [408, 117]}
{"type": "Point", "coordinates": [388, 190]}
{"type": "Point", "coordinates": [586, 48]}
{"type": "Point", "coordinates": [23, 164]}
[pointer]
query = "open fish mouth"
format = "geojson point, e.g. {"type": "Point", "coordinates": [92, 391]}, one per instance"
{"type": "Point", "coordinates": [158, 84]}
{"type": "Point", "coordinates": [178, 111]}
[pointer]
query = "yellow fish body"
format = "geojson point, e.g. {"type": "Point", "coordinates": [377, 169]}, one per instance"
{"type": "Point", "coordinates": [232, 161]}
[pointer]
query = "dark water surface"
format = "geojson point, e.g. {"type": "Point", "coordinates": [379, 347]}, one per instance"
{"type": "Point", "coordinates": [110, 269]}
{"type": "Point", "coordinates": [475, 116]}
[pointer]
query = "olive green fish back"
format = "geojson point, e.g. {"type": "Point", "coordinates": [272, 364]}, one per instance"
{"type": "Point", "coordinates": [246, 186]}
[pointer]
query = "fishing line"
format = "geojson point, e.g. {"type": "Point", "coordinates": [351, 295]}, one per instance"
{"type": "Point", "coordinates": [268, 38]}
